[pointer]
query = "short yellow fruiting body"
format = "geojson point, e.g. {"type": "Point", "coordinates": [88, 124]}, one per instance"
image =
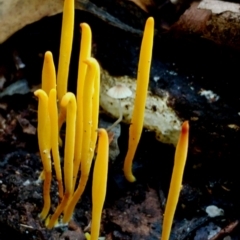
{"type": "Point", "coordinates": [53, 113]}
{"type": "Point", "coordinates": [69, 102]}
{"type": "Point", "coordinates": [85, 52]}
{"type": "Point", "coordinates": [65, 47]}
{"type": "Point", "coordinates": [99, 184]}
{"type": "Point", "coordinates": [48, 73]}
{"type": "Point", "coordinates": [44, 147]}
{"type": "Point", "coordinates": [176, 181]}
{"type": "Point", "coordinates": [136, 126]}
{"type": "Point", "coordinates": [87, 236]}
{"type": "Point", "coordinates": [87, 128]}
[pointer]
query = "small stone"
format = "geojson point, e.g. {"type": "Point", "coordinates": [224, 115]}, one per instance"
{"type": "Point", "coordinates": [214, 211]}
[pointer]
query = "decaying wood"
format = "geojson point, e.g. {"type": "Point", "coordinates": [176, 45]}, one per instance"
{"type": "Point", "coordinates": [159, 116]}
{"type": "Point", "coordinates": [214, 20]}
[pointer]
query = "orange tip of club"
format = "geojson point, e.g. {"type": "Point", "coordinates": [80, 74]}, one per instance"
{"type": "Point", "coordinates": [185, 127]}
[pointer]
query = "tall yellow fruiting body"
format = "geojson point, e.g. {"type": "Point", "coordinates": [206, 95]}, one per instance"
{"type": "Point", "coordinates": [65, 47]}
{"type": "Point", "coordinates": [95, 112]}
{"type": "Point", "coordinates": [87, 129]}
{"type": "Point", "coordinates": [85, 52]}
{"type": "Point", "coordinates": [69, 102]}
{"type": "Point", "coordinates": [48, 73]}
{"type": "Point", "coordinates": [43, 129]}
{"type": "Point", "coordinates": [176, 181]}
{"type": "Point", "coordinates": [53, 113]}
{"type": "Point", "coordinates": [136, 126]}
{"type": "Point", "coordinates": [65, 56]}
{"type": "Point", "coordinates": [99, 184]}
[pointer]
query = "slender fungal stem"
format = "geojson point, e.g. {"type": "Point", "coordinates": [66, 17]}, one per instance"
{"type": "Point", "coordinates": [119, 119]}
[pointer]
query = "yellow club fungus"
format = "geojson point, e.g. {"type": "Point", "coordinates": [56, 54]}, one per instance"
{"type": "Point", "coordinates": [87, 236]}
{"type": "Point", "coordinates": [95, 112]}
{"type": "Point", "coordinates": [65, 55]}
{"type": "Point", "coordinates": [43, 129]}
{"type": "Point", "coordinates": [87, 128]}
{"type": "Point", "coordinates": [99, 184]}
{"type": "Point", "coordinates": [69, 102]}
{"type": "Point", "coordinates": [176, 181]}
{"type": "Point", "coordinates": [53, 113]}
{"type": "Point", "coordinates": [61, 120]}
{"type": "Point", "coordinates": [136, 126]}
{"type": "Point", "coordinates": [65, 47]}
{"type": "Point", "coordinates": [48, 78]}
{"type": "Point", "coordinates": [85, 52]}
{"type": "Point", "coordinates": [48, 73]}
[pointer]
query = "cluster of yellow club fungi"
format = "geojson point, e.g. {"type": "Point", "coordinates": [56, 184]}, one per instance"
{"type": "Point", "coordinates": [80, 112]}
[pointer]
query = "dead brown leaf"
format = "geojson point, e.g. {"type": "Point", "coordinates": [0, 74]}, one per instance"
{"type": "Point", "coordinates": [143, 4]}
{"type": "Point", "coordinates": [139, 220]}
{"type": "Point", "coordinates": [15, 14]}
{"type": "Point", "coordinates": [2, 81]}
{"type": "Point", "coordinates": [74, 232]}
{"type": "Point", "coordinates": [27, 127]}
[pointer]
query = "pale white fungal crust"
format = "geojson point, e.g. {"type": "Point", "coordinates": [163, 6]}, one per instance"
{"type": "Point", "coordinates": [159, 117]}
{"type": "Point", "coordinates": [214, 211]}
